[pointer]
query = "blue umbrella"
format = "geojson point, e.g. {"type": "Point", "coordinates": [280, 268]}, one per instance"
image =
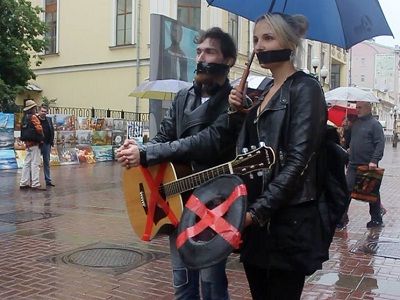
{"type": "Point", "coordinates": [339, 22]}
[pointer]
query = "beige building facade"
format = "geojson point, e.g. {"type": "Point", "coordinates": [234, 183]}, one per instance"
{"type": "Point", "coordinates": [100, 49]}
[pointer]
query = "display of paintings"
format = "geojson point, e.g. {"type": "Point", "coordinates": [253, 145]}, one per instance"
{"type": "Point", "coordinates": [20, 157]}
{"type": "Point", "coordinates": [18, 144]}
{"type": "Point", "coordinates": [18, 120]}
{"type": "Point", "coordinates": [54, 158]}
{"type": "Point", "coordinates": [114, 150]}
{"type": "Point", "coordinates": [118, 138]}
{"type": "Point", "coordinates": [84, 137]}
{"type": "Point", "coordinates": [119, 124]}
{"type": "Point", "coordinates": [85, 154]}
{"type": "Point", "coordinates": [108, 124]}
{"type": "Point", "coordinates": [102, 137]}
{"type": "Point", "coordinates": [7, 137]}
{"type": "Point", "coordinates": [103, 153]}
{"type": "Point", "coordinates": [7, 159]}
{"type": "Point", "coordinates": [66, 137]}
{"type": "Point", "coordinates": [135, 131]}
{"type": "Point", "coordinates": [100, 124]}
{"type": "Point", "coordinates": [64, 122]}
{"type": "Point", "coordinates": [83, 123]}
{"type": "Point", "coordinates": [67, 156]}
{"type": "Point", "coordinates": [6, 120]}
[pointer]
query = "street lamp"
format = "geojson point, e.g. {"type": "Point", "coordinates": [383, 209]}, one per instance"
{"type": "Point", "coordinates": [324, 73]}
{"type": "Point", "coordinates": [315, 64]}
{"type": "Point", "coordinates": [394, 112]}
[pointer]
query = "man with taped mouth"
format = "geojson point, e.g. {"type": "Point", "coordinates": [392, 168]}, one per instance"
{"type": "Point", "coordinates": [192, 131]}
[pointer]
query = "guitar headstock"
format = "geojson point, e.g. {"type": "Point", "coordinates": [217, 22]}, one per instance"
{"type": "Point", "coordinates": [258, 159]}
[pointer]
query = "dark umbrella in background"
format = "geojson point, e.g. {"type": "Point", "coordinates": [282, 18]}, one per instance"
{"type": "Point", "coordinates": [343, 23]}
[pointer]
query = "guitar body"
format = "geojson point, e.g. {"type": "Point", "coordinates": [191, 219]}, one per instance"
{"type": "Point", "coordinates": [139, 191]}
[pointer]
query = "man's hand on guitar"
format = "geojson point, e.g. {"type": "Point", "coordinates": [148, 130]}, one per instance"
{"type": "Point", "coordinates": [128, 154]}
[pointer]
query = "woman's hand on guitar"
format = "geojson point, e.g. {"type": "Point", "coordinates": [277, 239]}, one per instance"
{"type": "Point", "coordinates": [236, 99]}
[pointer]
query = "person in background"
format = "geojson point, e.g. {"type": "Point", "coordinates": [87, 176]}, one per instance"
{"type": "Point", "coordinates": [283, 238]}
{"type": "Point", "coordinates": [191, 132]}
{"type": "Point", "coordinates": [48, 142]}
{"type": "Point", "coordinates": [31, 167]}
{"type": "Point", "coordinates": [366, 148]}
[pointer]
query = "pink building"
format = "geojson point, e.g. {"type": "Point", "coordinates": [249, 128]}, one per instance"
{"type": "Point", "coordinates": [372, 66]}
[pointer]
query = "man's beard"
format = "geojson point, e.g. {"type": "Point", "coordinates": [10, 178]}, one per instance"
{"type": "Point", "coordinates": [207, 83]}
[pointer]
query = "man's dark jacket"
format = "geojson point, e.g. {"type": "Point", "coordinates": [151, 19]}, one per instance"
{"type": "Point", "coordinates": [193, 133]}
{"type": "Point", "coordinates": [48, 130]}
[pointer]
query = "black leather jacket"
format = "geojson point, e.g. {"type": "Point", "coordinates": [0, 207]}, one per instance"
{"type": "Point", "coordinates": [194, 133]}
{"type": "Point", "coordinates": [293, 124]}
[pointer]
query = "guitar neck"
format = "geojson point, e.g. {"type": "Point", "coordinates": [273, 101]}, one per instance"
{"type": "Point", "coordinates": [190, 182]}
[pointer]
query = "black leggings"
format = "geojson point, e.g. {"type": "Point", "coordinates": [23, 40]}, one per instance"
{"type": "Point", "coordinates": [274, 284]}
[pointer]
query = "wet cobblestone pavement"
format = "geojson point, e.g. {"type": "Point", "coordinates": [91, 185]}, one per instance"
{"type": "Point", "coordinates": [74, 241]}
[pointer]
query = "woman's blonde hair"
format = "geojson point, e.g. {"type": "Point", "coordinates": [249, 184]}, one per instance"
{"type": "Point", "coordinates": [289, 29]}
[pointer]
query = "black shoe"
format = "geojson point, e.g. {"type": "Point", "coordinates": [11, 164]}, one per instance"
{"type": "Point", "coordinates": [383, 211]}
{"type": "Point", "coordinates": [49, 184]}
{"type": "Point", "coordinates": [24, 187]}
{"type": "Point", "coordinates": [375, 224]}
{"type": "Point", "coordinates": [341, 225]}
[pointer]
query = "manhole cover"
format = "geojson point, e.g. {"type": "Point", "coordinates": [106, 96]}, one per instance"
{"type": "Point", "coordinates": [104, 258]}
{"type": "Point", "coordinates": [384, 247]}
{"type": "Point", "coordinates": [108, 258]}
{"type": "Point", "coordinates": [21, 216]}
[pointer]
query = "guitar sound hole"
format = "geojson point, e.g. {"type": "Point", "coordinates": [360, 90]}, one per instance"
{"type": "Point", "coordinates": [208, 233]}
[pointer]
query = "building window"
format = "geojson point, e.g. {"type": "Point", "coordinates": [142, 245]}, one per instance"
{"type": "Point", "coordinates": [309, 58]}
{"type": "Point", "coordinates": [123, 22]}
{"type": "Point", "coordinates": [189, 12]}
{"type": "Point", "coordinates": [362, 78]}
{"type": "Point", "coordinates": [335, 76]}
{"type": "Point", "coordinates": [233, 28]}
{"type": "Point", "coordinates": [50, 17]}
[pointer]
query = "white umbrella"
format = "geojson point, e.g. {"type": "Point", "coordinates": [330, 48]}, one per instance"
{"type": "Point", "coordinates": [349, 93]}
{"type": "Point", "coordinates": [159, 89]}
{"type": "Point", "coordinates": [254, 82]}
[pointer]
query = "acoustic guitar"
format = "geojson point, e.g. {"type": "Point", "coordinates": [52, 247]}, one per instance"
{"type": "Point", "coordinates": [154, 197]}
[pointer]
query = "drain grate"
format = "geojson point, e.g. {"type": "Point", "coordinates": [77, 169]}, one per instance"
{"type": "Point", "coordinates": [379, 246]}
{"type": "Point", "coordinates": [108, 258]}
{"type": "Point", "coordinates": [21, 216]}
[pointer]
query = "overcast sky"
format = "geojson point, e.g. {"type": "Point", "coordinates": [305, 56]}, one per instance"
{"type": "Point", "coordinates": [391, 9]}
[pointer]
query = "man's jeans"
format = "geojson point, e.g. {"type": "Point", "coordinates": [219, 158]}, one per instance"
{"type": "Point", "coordinates": [214, 283]}
{"type": "Point", "coordinates": [374, 208]}
{"type": "Point", "coordinates": [46, 149]}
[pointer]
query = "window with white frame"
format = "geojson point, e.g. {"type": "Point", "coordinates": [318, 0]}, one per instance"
{"type": "Point", "coordinates": [50, 18]}
{"type": "Point", "coordinates": [123, 22]}
{"type": "Point", "coordinates": [233, 26]}
{"type": "Point", "coordinates": [189, 12]}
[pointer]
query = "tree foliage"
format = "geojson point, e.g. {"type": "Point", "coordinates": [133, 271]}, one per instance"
{"type": "Point", "coordinates": [21, 38]}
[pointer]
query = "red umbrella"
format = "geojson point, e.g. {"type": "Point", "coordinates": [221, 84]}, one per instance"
{"type": "Point", "coordinates": [337, 113]}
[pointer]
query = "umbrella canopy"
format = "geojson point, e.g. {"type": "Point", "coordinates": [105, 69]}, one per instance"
{"type": "Point", "coordinates": [254, 82]}
{"type": "Point", "coordinates": [160, 89]}
{"type": "Point", "coordinates": [336, 114]}
{"type": "Point", "coordinates": [349, 93]}
{"type": "Point", "coordinates": [339, 22]}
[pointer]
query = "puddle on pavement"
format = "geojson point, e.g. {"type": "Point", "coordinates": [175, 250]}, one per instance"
{"type": "Point", "coordinates": [340, 280]}
{"type": "Point", "coordinates": [379, 286]}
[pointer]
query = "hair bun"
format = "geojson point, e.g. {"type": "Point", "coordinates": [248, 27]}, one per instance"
{"type": "Point", "coordinates": [302, 24]}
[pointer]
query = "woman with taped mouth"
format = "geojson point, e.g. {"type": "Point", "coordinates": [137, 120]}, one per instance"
{"type": "Point", "coordinates": [282, 241]}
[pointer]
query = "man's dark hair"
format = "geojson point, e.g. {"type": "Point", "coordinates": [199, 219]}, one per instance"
{"type": "Point", "coordinates": [45, 106]}
{"type": "Point", "coordinates": [228, 47]}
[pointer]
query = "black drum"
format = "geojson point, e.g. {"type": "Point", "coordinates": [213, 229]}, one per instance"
{"type": "Point", "coordinates": [212, 222]}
